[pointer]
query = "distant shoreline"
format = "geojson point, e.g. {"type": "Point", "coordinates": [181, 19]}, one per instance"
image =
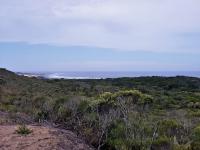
{"type": "Point", "coordinates": [105, 75]}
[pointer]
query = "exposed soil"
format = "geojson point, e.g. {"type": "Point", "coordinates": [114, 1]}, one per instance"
{"type": "Point", "coordinates": [41, 138]}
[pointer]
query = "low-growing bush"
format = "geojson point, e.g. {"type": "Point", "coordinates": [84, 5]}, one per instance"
{"type": "Point", "coordinates": [168, 127]}
{"type": "Point", "coordinates": [195, 145]}
{"type": "Point", "coordinates": [23, 130]}
{"type": "Point", "coordinates": [162, 142]}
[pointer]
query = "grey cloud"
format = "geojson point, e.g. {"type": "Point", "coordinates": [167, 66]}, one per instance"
{"type": "Point", "coordinates": [119, 24]}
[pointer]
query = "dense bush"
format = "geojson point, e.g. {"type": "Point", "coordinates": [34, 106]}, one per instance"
{"type": "Point", "coordinates": [126, 113]}
{"type": "Point", "coordinates": [195, 145]}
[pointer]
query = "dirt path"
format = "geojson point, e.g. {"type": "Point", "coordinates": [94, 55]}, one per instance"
{"type": "Point", "coordinates": [42, 138]}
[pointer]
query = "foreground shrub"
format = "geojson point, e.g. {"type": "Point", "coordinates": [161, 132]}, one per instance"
{"type": "Point", "coordinates": [195, 145]}
{"type": "Point", "coordinates": [40, 115]}
{"type": "Point", "coordinates": [23, 130]}
{"type": "Point", "coordinates": [63, 113]}
{"type": "Point", "coordinates": [169, 127]}
{"type": "Point", "coordinates": [162, 143]}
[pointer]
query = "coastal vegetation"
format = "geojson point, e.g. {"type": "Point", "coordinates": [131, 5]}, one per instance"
{"type": "Point", "coordinates": [140, 113]}
{"type": "Point", "coordinates": [23, 130]}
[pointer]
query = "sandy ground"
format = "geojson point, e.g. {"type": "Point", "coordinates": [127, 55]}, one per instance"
{"type": "Point", "coordinates": [42, 138]}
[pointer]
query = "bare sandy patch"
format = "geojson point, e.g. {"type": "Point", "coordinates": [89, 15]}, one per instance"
{"type": "Point", "coordinates": [41, 138]}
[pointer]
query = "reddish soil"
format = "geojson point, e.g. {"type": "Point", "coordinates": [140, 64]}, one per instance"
{"type": "Point", "coordinates": [41, 138]}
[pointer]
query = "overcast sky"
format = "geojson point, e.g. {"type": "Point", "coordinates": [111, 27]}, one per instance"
{"type": "Point", "coordinates": [126, 35]}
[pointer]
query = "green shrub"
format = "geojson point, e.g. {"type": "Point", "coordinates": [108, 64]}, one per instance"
{"type": "Point", "coordinates": [196, 134]}
{"type": "Point", "coordinates": [39, 101]}
{"type": "Point", "coordinates": [2, 81]}
{"type": "Point", "coordinates": [195, 145]}
{"type": "Point", "coordinates": [194, 113]}
{"type": "Point", "coordinates": [168, 127]}
{"type": "Point", "coordinates": [162, 142]}
{"type": "Point", "coordinates": [83, 106]}
{"type": "Point", "coordinates": [8, 108]}
{"type": "Point", "coordinates": [63, 113]}
{"type": "Point", "coordinates": [128, 97]}
{"type": "Point", "coordinates": [23, 130]}
{"type": "Point", "coordinates": [39, 115]}
{"type": "Point", "coordinates": [116, 136]}
{"type": "Point", "coordinates": [182, 147]}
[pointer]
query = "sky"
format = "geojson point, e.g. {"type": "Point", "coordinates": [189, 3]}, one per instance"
{"type": "Point", "coordinates": [100, 35]}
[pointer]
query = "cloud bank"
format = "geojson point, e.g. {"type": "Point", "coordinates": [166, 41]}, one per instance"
{"type": "Point", "coordinates": [134, 25]}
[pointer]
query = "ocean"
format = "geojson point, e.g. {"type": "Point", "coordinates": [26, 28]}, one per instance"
{"type": "Point", "coordinates": [103, 75]}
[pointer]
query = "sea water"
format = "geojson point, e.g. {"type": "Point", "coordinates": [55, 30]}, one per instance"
{"type": "Point", "coordinates": [107, 74]}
